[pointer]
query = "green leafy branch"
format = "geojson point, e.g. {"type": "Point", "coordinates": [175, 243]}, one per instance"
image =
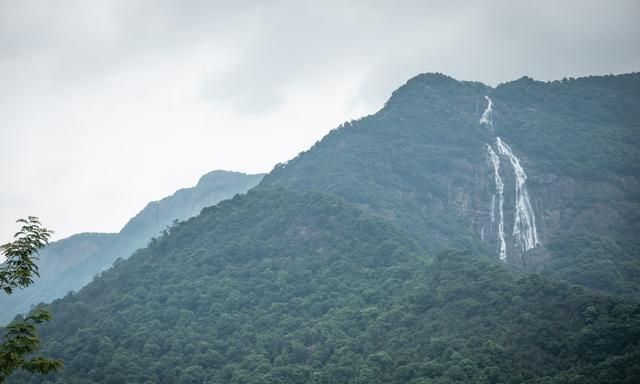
{"type": "Point", "coordinates": [20, 339]}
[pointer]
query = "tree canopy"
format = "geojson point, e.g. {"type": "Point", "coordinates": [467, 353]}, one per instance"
{"type": "Point", "coordinates": [279, 287]}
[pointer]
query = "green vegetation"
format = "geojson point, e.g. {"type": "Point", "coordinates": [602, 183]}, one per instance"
{"type": "Point", "coordinates": [20, 339]}
{"type": "Point", "coordinates": [421, 163]}
{"type": "Point", "coordinates": [69, 264]}
{"type": "Point", "coordinates": [599, 263]}
{"type": "Point", "coordinates": [276, 287]}
{"type": "Point", "coordinates": [585, 128]}
{"type": "Point", "coordinates": [325, 273]}
{"type": "Point", "coordinates": [410, 163]}
{"type": "Point", "coordinates": [20, 342]}
{"type": "Point", "coordinates": [19, 259]}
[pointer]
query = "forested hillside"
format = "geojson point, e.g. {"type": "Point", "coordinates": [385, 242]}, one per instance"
{"type": "Point", "coordinates": [422, 162]}
{"type": "Point", "coordinates": [69, 264]}
{"type": "Point", "coordinates": [462, 234]}
{"type": "Point", "coordinates": [276, 287]}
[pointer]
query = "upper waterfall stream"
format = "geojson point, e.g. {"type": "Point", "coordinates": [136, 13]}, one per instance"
{"type": "Point", "coordinates": [525, 233]}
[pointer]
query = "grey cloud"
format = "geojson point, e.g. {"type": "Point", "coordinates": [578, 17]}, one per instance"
{"type": "Point", "coordinates": [285, 42]}
{"type": "Point", "coordinates": [107, 58]}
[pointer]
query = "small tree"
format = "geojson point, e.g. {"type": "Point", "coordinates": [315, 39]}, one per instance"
{"type": "Point", "coordinates": [20, 339]}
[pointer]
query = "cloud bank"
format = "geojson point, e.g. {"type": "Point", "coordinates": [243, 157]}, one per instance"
{"type": "Point", "coordinates": [107, 105]}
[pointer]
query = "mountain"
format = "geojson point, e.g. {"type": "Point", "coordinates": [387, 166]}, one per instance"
{"type": "Point", "coordinates": [278, 287]}
{"type": "Point", "coordinates": [188, 202]}
{"type": "Point", "coordinates": [338, 268]}
{"type": "Point", "coordinates": [424, 162]}
{"type": "Point", "coordinates": [69, 264]}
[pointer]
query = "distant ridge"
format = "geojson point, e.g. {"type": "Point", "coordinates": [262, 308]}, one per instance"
{"type": "Point", "coordinates": [68, 264]}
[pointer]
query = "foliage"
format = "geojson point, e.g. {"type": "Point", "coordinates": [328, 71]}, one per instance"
{"type": "Point", "coordinates": [421, 163]}
{"type": "Point", "coordinates": [278, 287]}
{"type": "Point", "coordinates": [20, 338]}
{"type": "Point", "coordinates": [585, 128]}
{"type": "Point", "coordinates": [322, 273]}
{"type": "Point", "coordinates": [407, 163]}
{"type": "Point", "coordinates": [19, 265]}
{"type": "Point", "coordinates": [597, 262]}
{"type": "Point", "coordinates": [69, 264]}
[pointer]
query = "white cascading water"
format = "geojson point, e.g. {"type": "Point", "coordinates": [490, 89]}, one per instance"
{"type": "Point", "coordinates": [487, 115]}
{"type": "Point", "coordinates": [524, 227]}
{"type": "Point", "coordinates": [493, 209]}
{"type": "Point", "coordinates": [495, 161]}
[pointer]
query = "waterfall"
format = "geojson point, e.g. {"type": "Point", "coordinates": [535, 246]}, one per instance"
{"type": "Point", "coordinates": [524, 227]}
{"type": "Point", "coordinates": [487, 115]}
{"type": "Point", "coordinates": [493, 210]}
{"type": "Point", "coordinates": [525, 232]}
{"type": "Point", "coordinates": [495, 161]}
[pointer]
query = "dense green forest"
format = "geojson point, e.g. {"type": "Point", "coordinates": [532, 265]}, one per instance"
{"type": "Point", "coordinates": [285, 288]}
{"type": "Point", "coordinates": [421, 162]}
{"type": "Point", "coordinates": [367, 258]}
{"type": "Point", "coordinates": [586, 127]}
{"type": "Point", "coordinates": [404, 163]}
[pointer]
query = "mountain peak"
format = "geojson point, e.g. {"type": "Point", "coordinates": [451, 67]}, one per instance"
{"type": "Point", "coordinates": [433, 78]}
{"type": "Point", "coordinates": [427, 81]}
{"type": "Point", "coordinates": [223, 176]}
{"type": "Point", "coordinates": [427, 88]}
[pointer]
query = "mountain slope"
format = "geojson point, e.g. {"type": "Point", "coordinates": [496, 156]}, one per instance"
{"type": "Point", "coordinates": [69, 264]}
{"type": "Point", "coordinates": [323, 273]}
{"type": "Point", "coordinates": [276, 287]}
{"type": "Point", "coordinates": [409, 162]}
{"type": "Point", "coordinates": [423, 161]}
{"type": "Point", "coordinates": [188, 202]}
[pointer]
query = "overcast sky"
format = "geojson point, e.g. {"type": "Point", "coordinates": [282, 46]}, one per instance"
{"type": "Point", "coordinates": [106, 105]}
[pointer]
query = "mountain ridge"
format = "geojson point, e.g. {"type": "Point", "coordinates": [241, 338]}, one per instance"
{"type": "Point", "coordinates": [70, 263]}
{"type": "Point", "coordinates": [422, 162]}
{"type": "Point", "coordinates": [336, 267]}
